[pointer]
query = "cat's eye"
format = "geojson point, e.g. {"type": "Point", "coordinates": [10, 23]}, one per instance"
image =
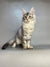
{"type": "Point", "coordinates": [29, 16]}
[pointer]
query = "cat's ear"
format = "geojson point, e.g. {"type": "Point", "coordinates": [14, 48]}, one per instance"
{"type": "Point", "coordinates": [23, 11]}
{"type": "Point", "coordinates": [32, 11]}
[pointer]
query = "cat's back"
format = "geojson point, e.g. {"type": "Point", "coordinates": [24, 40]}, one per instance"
{"type": "Point", "coordinates": [19, 32]}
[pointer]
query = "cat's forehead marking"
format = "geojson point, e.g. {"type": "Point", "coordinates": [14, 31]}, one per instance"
{"type": "Point", "coordinates": [26, 14]}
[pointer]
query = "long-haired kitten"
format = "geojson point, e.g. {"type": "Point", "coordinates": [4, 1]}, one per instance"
{"type": "Point", "coordinates": [24, 33]}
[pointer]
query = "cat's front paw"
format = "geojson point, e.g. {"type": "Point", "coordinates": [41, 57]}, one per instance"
{"type": "Point", "coordinates": [30, 47]}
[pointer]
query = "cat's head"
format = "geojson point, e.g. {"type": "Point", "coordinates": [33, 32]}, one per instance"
{"type": "Point", "coordinates": [28, 16]}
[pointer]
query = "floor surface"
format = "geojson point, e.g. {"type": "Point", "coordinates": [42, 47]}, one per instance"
{"type": "Point", "coordinates": [16, 57]}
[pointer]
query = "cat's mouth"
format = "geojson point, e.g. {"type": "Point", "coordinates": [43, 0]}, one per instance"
{"type": "Point", "coordinates": [27, 21]}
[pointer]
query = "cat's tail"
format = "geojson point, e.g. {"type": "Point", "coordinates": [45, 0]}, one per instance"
{"type": "Point", "coordinates": [5, 46]}
{"type": "Point", "coordinates": [11, 42]}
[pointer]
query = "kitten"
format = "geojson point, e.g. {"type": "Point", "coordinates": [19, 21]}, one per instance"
{"type": "Point", "coordinates": [24, 33]}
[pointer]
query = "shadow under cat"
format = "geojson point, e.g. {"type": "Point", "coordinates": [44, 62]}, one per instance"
{"type": "Point", "coordinates": [36, 47]}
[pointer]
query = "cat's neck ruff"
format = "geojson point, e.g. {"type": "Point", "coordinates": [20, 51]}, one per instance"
{"type": "Point", "coordinates": [28, 23]}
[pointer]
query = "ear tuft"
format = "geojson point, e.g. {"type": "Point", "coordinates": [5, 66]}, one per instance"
{"type": "Point", "coordinates": [23, 11]}
{"type": "Point", "coordinates": [32, 11]}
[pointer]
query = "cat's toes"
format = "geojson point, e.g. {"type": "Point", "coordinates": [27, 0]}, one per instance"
{"type": "Point", "coordinates": [30, 47]}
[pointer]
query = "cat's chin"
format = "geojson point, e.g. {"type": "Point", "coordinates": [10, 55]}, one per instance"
{"type": "Point", "coordinates": [26, 21]}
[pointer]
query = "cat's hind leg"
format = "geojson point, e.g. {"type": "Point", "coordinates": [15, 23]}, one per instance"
{"type": "Point", "coordinates": [17, 42]}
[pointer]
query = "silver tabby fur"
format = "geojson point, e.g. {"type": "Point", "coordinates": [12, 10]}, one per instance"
{"type": "Point", "coordinates": [24, 33]}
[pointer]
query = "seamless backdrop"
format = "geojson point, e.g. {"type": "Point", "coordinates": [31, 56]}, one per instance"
{"type": "Point", "coordinates": [11, 18]}
{"type": "Point", "coordinates": [10, 21]}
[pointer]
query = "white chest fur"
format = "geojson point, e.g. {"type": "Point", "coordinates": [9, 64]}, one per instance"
{"type": "Point", "coordinates": [28, 27]}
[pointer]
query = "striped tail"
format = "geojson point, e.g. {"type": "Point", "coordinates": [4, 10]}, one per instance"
{"type": "Point", "coordinates": [9, 43]}
{"type": "Point", "coordinates": [5, 46]}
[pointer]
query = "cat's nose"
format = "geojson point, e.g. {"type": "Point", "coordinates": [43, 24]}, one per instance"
{"type": "Point", "coordinates": [27, 18]}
